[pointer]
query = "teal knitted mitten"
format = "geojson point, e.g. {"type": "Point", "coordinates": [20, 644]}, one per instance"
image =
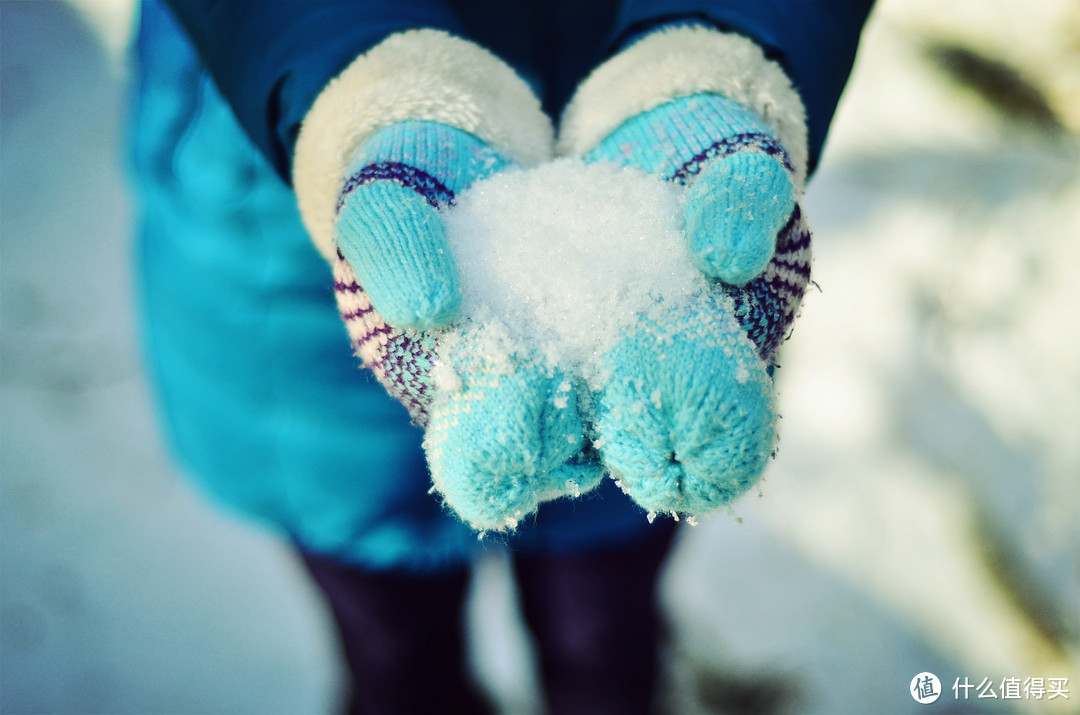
{"type": "Point", "coordinates": [506, 437]}
{"type": "Point", "coordinates": [394, 275]}
{"type": "Point", "coordinates": [388, 228]}
{"type": "Point", "coordinates": [740, 191]}
{"type": "Point", "coordinates": [685, 414]}
{"type": "Point", "coordinates": [686, 418]}
{"type": "Point", "coordinates": [500, 431]}
{"type": "Point", "coordinates": [386, 147]}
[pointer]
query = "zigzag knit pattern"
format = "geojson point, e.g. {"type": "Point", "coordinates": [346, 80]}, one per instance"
{"type": "Point", "coordinates": [767, 306]}
{"type": "Point", "coordinates": [686, 416]}
{"type": "Point", "coordinates": [752, 206]}
{"type": "Point", "coordinates": [401, 360]}
{"type": "Point", "coordinates": [392, 252]}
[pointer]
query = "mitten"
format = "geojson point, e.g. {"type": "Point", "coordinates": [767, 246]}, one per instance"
{"type": "Point", "coordinates": [502, 432]}
{"type": "Point", "coordinates": [508, 437]}
{"type": "Point", "coordinates": [387, 224]}
{"type": "Point", "coordinates": [383, 152]}
{"type": "Point", "coordinates": [686, 416]}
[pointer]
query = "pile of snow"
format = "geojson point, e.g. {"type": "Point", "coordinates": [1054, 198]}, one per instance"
{"type": "Point", "coordinates": [558, 259]}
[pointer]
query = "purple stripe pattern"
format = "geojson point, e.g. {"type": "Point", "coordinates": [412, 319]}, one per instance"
{"type": "Point", "coordinates": [400, 360]}
{"type": "Point", "coordinates": [435, 192]}
{"type": "Point", "coordinates": [751, 141]}
{"type": "Point", "coordinates": [766, 306]}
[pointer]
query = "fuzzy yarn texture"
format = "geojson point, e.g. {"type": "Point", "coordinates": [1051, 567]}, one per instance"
{"type": "Point", "coordinates": [401, 360]}
{"type": "Point", "coordinates": [686, 418]}
{"type": "Point", "coordinates": [499, 443]}
{"type": "Point", "coordinates": [504, 438]}
{"type": "Point", "coordinates": [682, 61]}
{"type": "Point", "coordinates": [743, 223]}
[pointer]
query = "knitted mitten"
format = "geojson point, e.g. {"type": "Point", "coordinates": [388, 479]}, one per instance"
{"type": "Point", "coordinates": [502, 434]}
{"type": "Point", "coordinates": [386, 147]}
{"type": "Point", "coordinates": [740, 190]}
{"type": "Point", "coordinates": [393, 272]}
{"type": "Point", "coordinates": [686, 416]}
{"type": "Point", "coordinates": [388, 226]}
{"type": "Point", "coordinates": [509, 437]}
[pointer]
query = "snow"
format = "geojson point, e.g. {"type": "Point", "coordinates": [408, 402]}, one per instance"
{"type": "Point", "coordinates": [556, 260]}
{"type": "Point", "coordinates": [920, 516]}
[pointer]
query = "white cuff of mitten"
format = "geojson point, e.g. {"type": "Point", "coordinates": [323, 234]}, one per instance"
{"type": "Point", "coordinates": [418, 75]}
{"type": "Point", "coordinates": [679, 62]}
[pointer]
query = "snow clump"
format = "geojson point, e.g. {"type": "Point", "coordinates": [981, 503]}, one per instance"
{"type": "Point", "coordinates": [558, 259]}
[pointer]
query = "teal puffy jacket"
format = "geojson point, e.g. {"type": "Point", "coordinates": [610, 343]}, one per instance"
{"type": "Point", "coordinates": [262, 400]}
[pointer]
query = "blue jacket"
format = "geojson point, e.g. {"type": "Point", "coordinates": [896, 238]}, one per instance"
{"type": "Point", "coordinates": [271, 59]}
{"type": "Point", "coordinates": [261, 398]}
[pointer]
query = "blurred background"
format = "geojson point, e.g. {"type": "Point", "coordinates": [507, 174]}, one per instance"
{"type": "Point", "coordinates": [922, 514]}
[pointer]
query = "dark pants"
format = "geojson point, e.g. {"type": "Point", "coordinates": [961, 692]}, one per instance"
{"type": "Point", "coordinates": [594, 617]}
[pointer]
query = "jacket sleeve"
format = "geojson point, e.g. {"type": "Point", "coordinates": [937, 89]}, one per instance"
{"type": "Point", "coordinates": [814, 41]}
{"type": "Point", "coordinates": [271, 59]}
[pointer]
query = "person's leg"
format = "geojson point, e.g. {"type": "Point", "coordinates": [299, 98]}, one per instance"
{"type": "Point", "coordinates": [597, 625]}
{"type": "Point", "coordinates": [403, 638]}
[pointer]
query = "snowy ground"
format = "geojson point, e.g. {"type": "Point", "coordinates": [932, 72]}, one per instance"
{"type": "Point", "coordinates": [921, 516]}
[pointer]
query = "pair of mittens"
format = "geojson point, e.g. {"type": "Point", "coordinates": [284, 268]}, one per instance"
{"type": "Point", "coordinates": [684, 418]}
